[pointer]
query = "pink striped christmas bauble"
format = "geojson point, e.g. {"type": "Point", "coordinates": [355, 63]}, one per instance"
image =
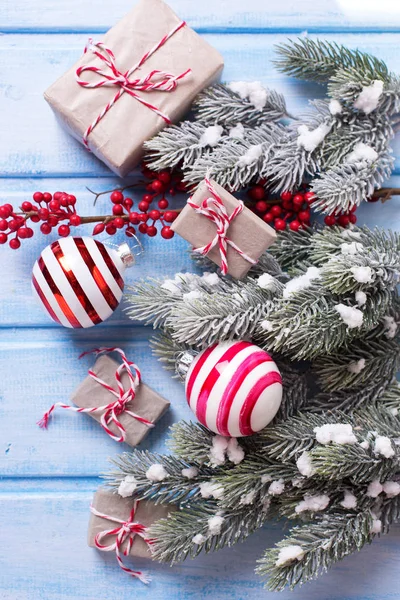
{"type": "Point", "coordinates": [79, 281]}
{"type": "Point", "coordinates": [234, 388]}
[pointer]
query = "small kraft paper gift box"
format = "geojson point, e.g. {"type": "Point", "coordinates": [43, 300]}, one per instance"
{"type": "Point", "coordinates": [121, 523]}
{"type": "Point", "coordinates": [147, 405]}
{"type": "Point", "coordinates": [143, 76]}
{"type": "Point", "coordinates": [222, 228]}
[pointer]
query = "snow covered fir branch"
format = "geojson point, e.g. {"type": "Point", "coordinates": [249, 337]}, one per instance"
{"type": "Point", "coordinates": [242, 134]}
{"type": "Point", "coordinates": [324, 302]}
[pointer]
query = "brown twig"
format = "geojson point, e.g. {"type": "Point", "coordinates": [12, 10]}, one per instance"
{"type": "Point", "coordinates": [386, 193]}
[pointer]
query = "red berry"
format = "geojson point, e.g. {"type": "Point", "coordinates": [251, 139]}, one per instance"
{"type": "Point", "coordinates": [373, 199]}
{"type": "Point", "coordinates": [309, 197]}
{"type": "Point", "coordinates": [287, 205]}
{"type": "Point", "coordinates": [64, 230]}
{"type": "Point", "coordinates": [75, 220]}
{"type": "Point", "coordinates": [43, 213]}
{"type": "Point", "coordinates": [63, 200]}
{"type": "Point", "coordinates": [343, 220]}
{"type": "Point", "coordinates": [130, 231]}
{"type": "Point", "coordinates": [134, 218]}
{"type": "Point", "coordinates": [3, 225]}
{"type": "Point", "coordinates": [26, 206]}
{"type": "Point", "coordinates": [54, 205]}
{"type": "Point", "coordinates": [286, 196]}
{"type": "Point", "coordinates": [149, 187]}
{"type": "Point", "coordinates": [117, 197]}
{"type": "Point", "coordinates": [38, 196]}
{"type": "Point", "coordinates": [99, 228]}
{"type": "Point", "coordinates": [154, 215]}
{"type": "Point", "coordinates": [14, 244]}
{"type": "Point", "coordinates": [295, 225]}
{"type": "Point", "coordinates": [22, 233]}
{"type": "Point", "coordinates": [143, 217]}
{"type": "Point", "coordinates": [45, 228]}
{"type": "Point", "coordinates": [147, 198]}
{"type": "Point", "coordinates": [330, 220]}
{"type": "Point", "coordinates": [5, 211]}
{"type": "Point", "coordinates": [276, 210]}
{"type": "Point", "coordinates": [352, 218]}
{"type": "Point", "coordinates": [143, 227]}
{"type": "Point", "coordinates": [298, 200]}
{"type": "Point", "coordinates": [353, 208]}
{"type": "Point", "coordinates": [256, 193]}
{"type": "Point", "coordinates": [304, 216]}
{"type": "Point", "coordinates": [163, 203]}
{"type": "Point", "coordinates": [71, 199]}
{"type": "Point", "coordinates": [3, 238]}
{"type": "Point", "coordinates": [119, 222]}
{"type": "Point", "coordinates": [52, 220]}
{"type": "Point", "coordinates": [280, 224]}
{"type": "Point", "coordinates": [28, 232]}
{"type": "Point", "coordinates": [164, 177]}
{"type": "Point", "coordinates": [47, 197]}
{"type": "Point", "coordinates": [151, 231]}
{"type": "Point", "coordinates": [167, 233]}
{"type": "Point", "coordinates": [157, 186]}
{"type": "Point", "coordinates": [268, 217]}
{"type": "Point", "coordinates": [13, 224]}
{"type": "Point", "coordinates": [171, 192]}
{"type": "Point", "coordinates": [57, 195]}
{"type": "Point", "coordinates": [143, 206]}
{"type": "Point", "coordinates": [118, 209]}
{"type": "Point", "coordinates": [35, 218]}
{"type": "Point", "coordinates": [128, 202]}
{"type": "Point", "coordinates": [111, 229]}
{"type": "Point", "coordinates": [170, 216]}
{"type": "Point", "coordinates": [261, 206]}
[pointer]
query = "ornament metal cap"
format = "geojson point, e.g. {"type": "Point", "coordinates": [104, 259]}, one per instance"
{"type": "Point", "coordinates": [126, 255]}
{"type": "Point", "coordinates": [183, 363]}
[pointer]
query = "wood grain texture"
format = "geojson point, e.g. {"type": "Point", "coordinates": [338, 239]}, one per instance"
{"type": "Point", "coordinates": [47, 477]}
{"type": "Point", "coordinates": [33, 144]}
{"type": "Point", "coordinates": [223, 16]}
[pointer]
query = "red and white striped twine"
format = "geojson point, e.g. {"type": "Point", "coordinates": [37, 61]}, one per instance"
{"type": "Point", "coordinates": [113, 410]}
{"type": "Point", "coordinates": [213, 209]}
{"type": "Point", "coordinates": [125, 532]}
{"type": "Point", "coordinates": [111, 76]}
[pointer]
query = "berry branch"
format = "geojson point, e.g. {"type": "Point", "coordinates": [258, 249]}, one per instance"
{"type": "Point", "coordinates": [59, 210]}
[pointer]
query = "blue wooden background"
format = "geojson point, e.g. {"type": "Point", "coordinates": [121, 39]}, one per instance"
{"type": "Point", "coordinates": [47, 478]}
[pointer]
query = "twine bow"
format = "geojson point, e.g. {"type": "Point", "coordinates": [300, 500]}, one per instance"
{"type": "Point", "coordinates": [214, 210]}
{"type": "Point", "coordinates": [110, 75]}
{"type": "Point", "coordinates": [113, 410]}
{"type": "Point", "coordinates": [124, 533]}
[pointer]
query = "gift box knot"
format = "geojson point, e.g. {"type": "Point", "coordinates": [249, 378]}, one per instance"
{"type": "Point", "coordinates": [214, 210]}
{"type": "Point", "coordinates": [109, 75]}
{"type": "Point", "coordinates": [124, 533]}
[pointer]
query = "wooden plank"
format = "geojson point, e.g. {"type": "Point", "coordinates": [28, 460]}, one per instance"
{"type": "Point", "coordinates": [48, 370]}
{"type": "Point", "coordinates": [33, 144]}
{"type": "Point", "coordinates": [45, 556]}
{"type": "Point", "coordinates": [224, 16]}
{"type": "Point", "coordinates": [18, 306]}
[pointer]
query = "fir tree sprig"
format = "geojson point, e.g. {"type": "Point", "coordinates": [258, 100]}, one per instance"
{"type": "Point", "coordinates": [319, 544]}
{"type": "Point", "coordinates": [219, 104]}
{"type": "Point", "coordinates": [318, 60]}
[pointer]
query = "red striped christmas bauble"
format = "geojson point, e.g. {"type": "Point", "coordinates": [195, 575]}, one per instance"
{"type": "Point", "coordinates": [79, 281]}
{"type": "Point", "coordinates": [234, 388]}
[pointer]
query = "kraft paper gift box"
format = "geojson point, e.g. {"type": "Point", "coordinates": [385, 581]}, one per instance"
{"type": "Point", "coordinates": [250, 233]}
{"type": "Point", "coordinates": [109, 503]}
{"type": "Point", "coordinates": [147, 403]}
{"type": "Point", "coordinates": [118, 138]}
